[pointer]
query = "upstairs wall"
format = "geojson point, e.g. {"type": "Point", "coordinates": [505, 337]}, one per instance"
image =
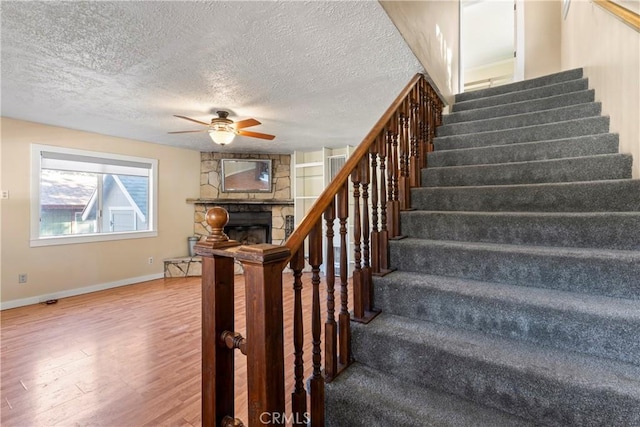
{"type": "Point", "coordinates": [609, 52]}
{"type": "Point", "coordinates": [431, 29]}
{"type": "Point", "coordinates": [542, 23]}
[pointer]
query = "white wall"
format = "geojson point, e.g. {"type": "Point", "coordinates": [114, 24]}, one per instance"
{"type": "Point", "coordinates": [431, 29]}
{"type": "Point", "coordinates": [609, 52]}
{"type": "Point", "coordinates": [56, 271]}
{"type": "Point", "coordinates": [542, 23]}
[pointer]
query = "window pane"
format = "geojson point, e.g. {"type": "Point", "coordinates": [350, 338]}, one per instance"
{"type": "Point", "coordinates": [65, 202]}
{"type": "Point", "coordinates": [85, 196]}
{"type": "Point", "coordinates": [125, 203]}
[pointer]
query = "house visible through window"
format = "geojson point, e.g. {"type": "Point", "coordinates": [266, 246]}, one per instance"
{"type": "Point", "coordinates": [80, 196]}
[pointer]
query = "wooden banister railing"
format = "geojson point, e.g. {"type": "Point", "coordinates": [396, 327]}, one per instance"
{"type": "Point", "coordinates": [378, 176]}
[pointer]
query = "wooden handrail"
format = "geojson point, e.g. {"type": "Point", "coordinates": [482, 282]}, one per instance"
{"type": "Point", "coordinates": [382, 171]}
{"type": "Point", "coordinates": [627, 16]}
{"type": "Point", "coordinates": [294, 242]}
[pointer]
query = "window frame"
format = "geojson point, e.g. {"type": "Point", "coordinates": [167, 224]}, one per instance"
{"type": "Point", "coordinates": [36, 167]}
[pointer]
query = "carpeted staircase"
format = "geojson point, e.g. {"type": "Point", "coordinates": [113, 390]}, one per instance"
{"type": "Point", "coordinates": [516, 299]}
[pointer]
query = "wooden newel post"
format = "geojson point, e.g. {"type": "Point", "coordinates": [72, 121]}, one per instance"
{"type": "Point", "coordinates": [263, 266]}
{"type": "Point", "coordinates": [217, 317]}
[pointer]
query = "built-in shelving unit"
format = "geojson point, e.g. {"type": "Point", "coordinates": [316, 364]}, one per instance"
{"type": "Point", "coordinates": [313, 171]}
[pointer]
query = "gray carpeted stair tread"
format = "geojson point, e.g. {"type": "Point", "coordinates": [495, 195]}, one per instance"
{"type": "Point", "coordinates": [605, 272]}
{"type": "Point", "coordinates": [362, 396]}
{"type": "Point", "coordinates": [606, 230]}
{"type": "Point", "coordinates": [522, 95]}
{"type": "Point", "coordinates": [543, 132]}
{"type": "Point", "coordinates": [585, 168]}
{"type": "Point", "coordinates": [562, 76]}
{"type": "Point", "coordinates": [593, 196]}
{"type": "Point", "coordinates": [572, 112]}
{"type": "Point", "coordinates": [589, 145]}
{"type": "Point", "coordinates": [596, 325]}
{"type": "Point", "coordinates": [541, 104]}
{"type": "Point", "coordinates": [518, 288]}
{"type": "Point", "coordinates": [540, 383]}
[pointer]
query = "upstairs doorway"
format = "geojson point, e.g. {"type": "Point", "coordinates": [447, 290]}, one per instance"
{"type": "Point", "coordinates": [488, 40]}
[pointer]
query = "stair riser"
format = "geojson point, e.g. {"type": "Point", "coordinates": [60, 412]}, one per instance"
{"type": "Point", "coordinates": [567, 329]}
{"type": "Point", "coordinates": [557, 101]}
{"type": "Point", "coordinates": [595, 275]}
{"type": "Point", "coordinates": [516, 391]}
{"type": "Point", "coordinates": [523, 85]}
{"type": "Point", "coordinates": [524, 95]}
{"type": "Point", "coordinates": [568, 129]}
{"type": "Point", "coordinates": [522, 120]}
{"type": "Point", "coordinates": [614, 166]}
{"type": "Point", "coordinates": [605, 231]}
{"type": "Point", "coordinates": [607, 196]}
{"type": "Point", "coordinates": [545, 150]}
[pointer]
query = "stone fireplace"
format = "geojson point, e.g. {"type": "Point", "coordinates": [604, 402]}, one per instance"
{"type": "Point", "coordinates": [253, 217]}
{"type": "Point", "coordinates": [247, 207]}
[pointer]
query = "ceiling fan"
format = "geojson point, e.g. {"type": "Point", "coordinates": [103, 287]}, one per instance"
{"type": "Point", "coordinates": [222, 129]}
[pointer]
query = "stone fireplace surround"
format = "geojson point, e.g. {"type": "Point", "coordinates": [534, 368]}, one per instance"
{"type": "Point", "coordinates": [279, 202]}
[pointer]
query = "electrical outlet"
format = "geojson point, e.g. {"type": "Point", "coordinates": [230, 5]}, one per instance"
{"type": "Point", "coordinates": [150, 260]}
{"type": "Point", "coordinates": [5, 194]}
{"type": "Point", "coordinates": [22, 278]}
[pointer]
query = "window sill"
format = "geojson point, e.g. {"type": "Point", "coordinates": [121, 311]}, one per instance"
{"type": "Point", "coordinates": [90, 238]}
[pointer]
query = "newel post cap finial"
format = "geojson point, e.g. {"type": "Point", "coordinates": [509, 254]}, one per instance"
{"type": "Point", "coordinates": [217, 218]}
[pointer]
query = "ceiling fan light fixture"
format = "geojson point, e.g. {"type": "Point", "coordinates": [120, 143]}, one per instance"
{"type": "Point", "coordinates": [222, 134]}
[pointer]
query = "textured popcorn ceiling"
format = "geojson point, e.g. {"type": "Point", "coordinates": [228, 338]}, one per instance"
{"type": "Point", "coordinates": [314, 73]}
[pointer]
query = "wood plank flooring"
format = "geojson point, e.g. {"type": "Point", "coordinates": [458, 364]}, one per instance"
{"type": "Point", "coordinates": [128, 356]}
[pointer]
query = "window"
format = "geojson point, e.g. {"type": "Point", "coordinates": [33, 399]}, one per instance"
{"type": "Point", "coordinates": [82, 196]}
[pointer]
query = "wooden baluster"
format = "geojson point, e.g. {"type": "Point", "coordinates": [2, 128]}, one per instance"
{"type": "Point", "coordinates": [364, 292]}
{"type": "Point", "coordinates": [424, 126]}
{"type": "Point", "coordinates": [316, 384]}
{"type": "Point", "coordinates": [432, 120]}
{"type": "Point", "coordinates": [402, 165]}
{"type": "Point", "coordinates": [299, 395]}
{"type": "Point", "coordinates": [391, 169]}
{"type": "Point", "coordinates": [367, 283]}
{"type": "Point", "coordinates": [344, 320]}
{"type": "Point", "coordinates": [217, 317]}
{"type": "Point", "coordinates": [404, 194]}
{"type": "Point", "coordinates": [375, 234]}
{"type": "Point", "coordinates": [330, 326]}
{"type": "Point", "coordinates": [263, 264]}
{"type": "Point", "coordinates": [414, 125]}
{"type": "Point", "coordinates": [439, 106]}
{"type": "Point", "coordinates": [393, 209]}
{"type": "Point", "coordinates": [358, 307]}
{"type": "Point", "coordinates": [384, 235]}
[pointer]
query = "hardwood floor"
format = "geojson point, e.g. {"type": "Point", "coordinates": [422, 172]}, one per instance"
{"type": "Point", "coordinates": [128, 356]}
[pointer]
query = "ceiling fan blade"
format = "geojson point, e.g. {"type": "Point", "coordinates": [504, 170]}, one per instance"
{"type": "Point", "coordinates": [189, 131]}
{"type": "Point", "coordinates": [192, 120]}
{"type": "Point", "coordinates": [246, 123]}
{"type": "Point", "coordinates": [255, 134]}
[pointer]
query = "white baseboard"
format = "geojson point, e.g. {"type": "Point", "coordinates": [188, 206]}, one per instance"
{"type": "Point", "coordinates": [77, 291]}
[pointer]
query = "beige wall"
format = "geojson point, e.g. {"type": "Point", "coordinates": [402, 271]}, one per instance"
{"type": "Point", "coordinates": [609, 52]}
{"type": "Point", "coordinates": [431, 29]}
{"type": "Point", "coordinates": [66, 269]}
{"type": "Point", "coordinates": [542, 23]}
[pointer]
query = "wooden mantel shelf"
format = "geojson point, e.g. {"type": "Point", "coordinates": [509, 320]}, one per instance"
{"type": "Point", "coordinates": [241, 201]}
